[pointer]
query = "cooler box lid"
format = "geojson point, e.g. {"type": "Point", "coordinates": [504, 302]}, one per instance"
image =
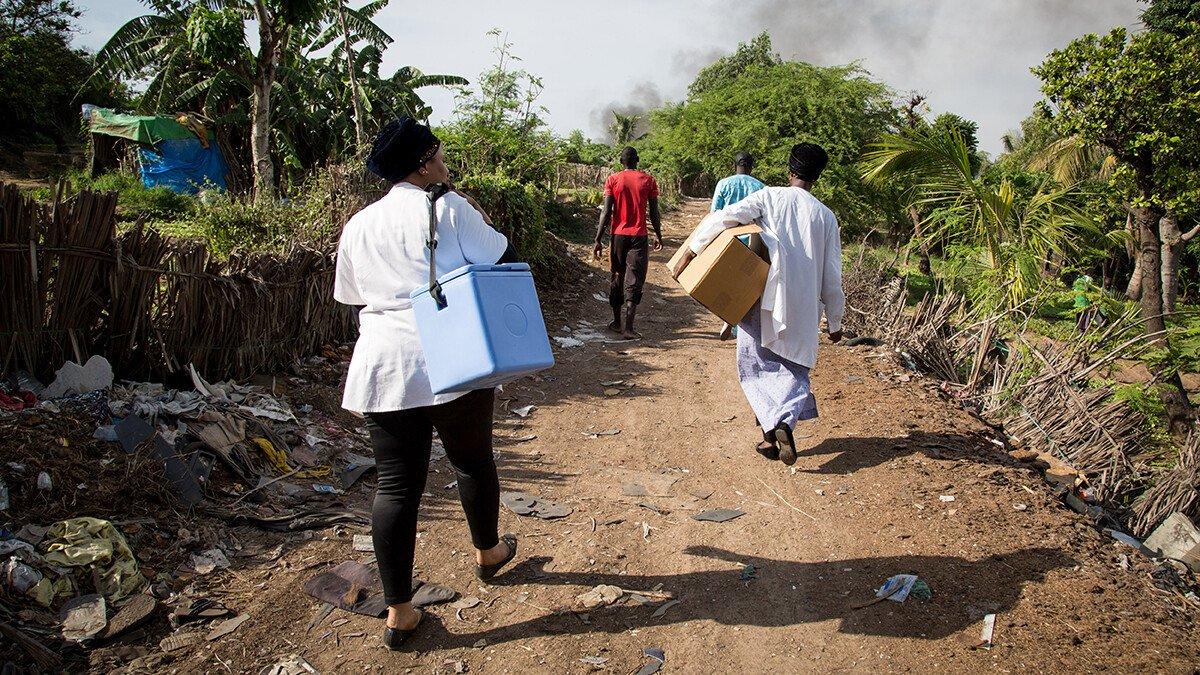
{"type": "Point", "coordinates": [467, 269]}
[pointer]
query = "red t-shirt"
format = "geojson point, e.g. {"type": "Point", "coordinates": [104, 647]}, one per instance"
{"type": "Point", "coordinates": [631, 191]}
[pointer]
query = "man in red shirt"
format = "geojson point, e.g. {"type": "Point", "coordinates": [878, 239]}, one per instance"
{"type": "Point", "coordinates": [628, 195]}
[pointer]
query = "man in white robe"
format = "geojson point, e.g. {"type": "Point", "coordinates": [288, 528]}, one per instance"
{"type": "Point", "coordinates": [777, 341]}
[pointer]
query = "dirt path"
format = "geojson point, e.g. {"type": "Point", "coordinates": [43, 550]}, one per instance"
{"type": "Point", "coordinates": [865, 501]}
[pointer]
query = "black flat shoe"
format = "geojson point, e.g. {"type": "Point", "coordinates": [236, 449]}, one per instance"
{"type": "Point", "coordinates": [486, 572]}
{"type": "Point", "coordinates": [393, 638]}
{"type": "Point", "coordinates": [787, 446]}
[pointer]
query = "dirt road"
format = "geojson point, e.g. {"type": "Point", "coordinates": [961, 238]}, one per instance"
{"type": "Point", "coordinates": [892, 480]}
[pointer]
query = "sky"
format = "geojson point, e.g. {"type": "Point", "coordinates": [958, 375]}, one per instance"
{"type": "Point", "coordinates": [970, 57]}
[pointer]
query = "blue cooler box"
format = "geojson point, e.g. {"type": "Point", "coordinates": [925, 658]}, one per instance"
{"type": "Point", "coordinates": [491, 330]}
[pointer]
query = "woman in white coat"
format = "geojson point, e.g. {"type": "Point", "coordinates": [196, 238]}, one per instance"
{"type": "Point", "coordinates": [382, 256]}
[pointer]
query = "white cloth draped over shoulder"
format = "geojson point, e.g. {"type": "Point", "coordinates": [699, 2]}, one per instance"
{"type": "Point", "coordinates": [381, 259]}
{"type": "Point", "coordinates": [805, 243]}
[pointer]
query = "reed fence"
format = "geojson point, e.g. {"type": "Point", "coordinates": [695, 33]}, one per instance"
{"type": "Point", "coordinates": [75, 287]}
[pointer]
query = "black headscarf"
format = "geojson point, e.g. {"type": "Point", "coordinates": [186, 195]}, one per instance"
{"type": "Point", "coordinates": [807, 161]}
{"type": "Point", "coordinates": [401, 147]}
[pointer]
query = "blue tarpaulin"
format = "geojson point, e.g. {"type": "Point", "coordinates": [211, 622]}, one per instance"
{"type": "Point", "coordinates": [184, 165]}
{"type": "Point", "coordinates": [176, 152]}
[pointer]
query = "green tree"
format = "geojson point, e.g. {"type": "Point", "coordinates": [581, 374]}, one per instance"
{"type": "Point", "coordinates": [623, 128]}
{"type": "Point", "coordinates": [1001, 235]}
{"type": "Point", "coordinates": [212, 32]}
{"type": "Point", "coordinates": [29, 17]}
{"type": "Point", "coordinates": [1177, 17]}
{"type": "Point", "coordinates": [1137, 97]}
{"type": "Point", "coordinates": [757, 53]}
{"type": "Point", "coordinates": [765, 109]}
{"type": "Point", "coordinates": [498, 126]}
{"type": "Point", "coordinates": [43, 80]}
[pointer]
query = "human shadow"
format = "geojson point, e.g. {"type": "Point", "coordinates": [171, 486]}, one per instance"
{"type": "Point", "coordinates": [789, 593]}
{"type": "Point", "coordinates": [853, 453]}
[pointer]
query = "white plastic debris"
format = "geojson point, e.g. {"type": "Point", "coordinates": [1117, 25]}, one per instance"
{"type": "Point", "coordinates": [73, 378]}
{"type": "Point", "coordinates": [44, 482]}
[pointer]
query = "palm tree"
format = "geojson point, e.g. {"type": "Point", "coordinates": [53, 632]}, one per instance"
{"type": "Point", "coordinates": [1001, 237]}
{"type": "Point", "coordinates": [624, 128]}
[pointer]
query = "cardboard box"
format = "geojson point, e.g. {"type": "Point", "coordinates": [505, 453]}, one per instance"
{"type": "Point", "coordinates": [728, 276]}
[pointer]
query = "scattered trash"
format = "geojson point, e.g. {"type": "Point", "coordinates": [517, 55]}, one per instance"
{"type": "Point", "coordinates": [921, 591]}
{"type": "Point", "coordinates": [350, 586]}
{"type": "Point", "coordinates": [1128, 540]}
{"type": "Point", "coordinates": [72, 378]}
{"type": "Point", "coordinates": [524, 504]}
{"type": "Point", "coordinates": [606, 594]}
{"type": "Point", "coordinates": [226, 627]}
{"type": "Point", "coordinates": [364, 543]}
{"type": "Point", "coordinates": [749, 572]}
{"type": "Point", "coordinates": [612, 392]}
{"type": "Point", "coordinates": [134, 612]}
{"type": "Point", "coordinates": [601, 297]}
{"type": "Point", "coordinates": [523, 439]}
{"type": "Point", "coordinates": [718, 515]}
{"type": "Point", "coordinates": [897, 588]}
{"type": "Point", "coordinates": [947, 498]}
{"type": "Point", "coordinates": [209, 561]}
{"type": "Point", "coordinates": [594, 660]}
{"type": "Point", "coordinates": [293, 664]}
{"type": "Point", "coordinates": [524, 411]}
{"type": "Point", "coordinates": [97, 548]}
{"type": "Point", "coordinates": [84, 618]}
{"type": "Point", "coordinates": [105, 433]}
{"type": "Point", "coordinates": [457, 666]}
{"type": "Point", "coordinates": [701, 493]}
{"type": "Point", "coordinates": [658, 613]}
{"type": "Point", "coordinates": [655, 663]}
{"type": "Point", "coordinates": [1178, 539]}
{"type": "Point", "coordinates": [600, 596]}
{"type": "Point", "coordinates": [985, 636]}
{"type": "Point", "coordinates": [198, 609]}
{"type": "Point", "coordinates": [465, 603]}
{"type": "Point", "coordinates": [612, 383]}
{"type": "Point", "coordinates": [323, 489]}
{"type": "Point", "coordinates": [178, 641]}
{"type": "Point", "coordinates": [132, 432]}
{"type": "Point", "coordinates": [44, 483]}
{"type": "Point", "coordinates": [4, 499]}
{"type": "Point", "coordinates": [568, 342]}
{"type": "Point", "coordinates": [598, 434]}
{"type": "Point", "coordinates": [426, 594]}
{"type": "Point", "coordinates": [1020, 507]}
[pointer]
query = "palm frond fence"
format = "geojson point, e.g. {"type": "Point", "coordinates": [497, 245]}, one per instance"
{"type": "Point", "coordinates": [75, 287]}
{"type": "Point", "coordinates": [1042, 393]}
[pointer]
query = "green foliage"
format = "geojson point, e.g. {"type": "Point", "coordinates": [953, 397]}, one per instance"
{"type": "Point", "coordinates": [42, 80]}
{"type": "Point", "coordinates": [227, 224]}
{"type": "Point", "coordinates": [1177, 17]}
{"type": "Point", "coordinates": [1137, 96]}
{"type": "Point", "coordinates": [999, 234]}
{"type": "Point", "coordinates": [765, 106]}
{"type": "Point", "coordinates": [498, 128]}
{"type": "Point", "coordinates": [757, 53]}
{"type": "Point", "coordinates": [579, 149]}
{"type": "Point", "coordinates": [517, 209]}
{"type": "Point", "coordinates": [30, 17]}
{"type": "Point", "coordinates": [134, 199]}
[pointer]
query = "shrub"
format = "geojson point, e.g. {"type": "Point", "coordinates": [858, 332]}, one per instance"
{"type": "Point", "coordinates": [518, 210]}
{"type": "Point", "coordinates": [134, 199]}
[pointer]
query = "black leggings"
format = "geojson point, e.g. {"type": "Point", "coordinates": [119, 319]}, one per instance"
{"type": "Point", "coordinates": [402, 441]}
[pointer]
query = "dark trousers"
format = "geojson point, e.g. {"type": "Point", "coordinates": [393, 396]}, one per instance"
{"type": "Point", "coordinates": [402, 441]}
{"type": "Point", "coordinates": [629, 258]}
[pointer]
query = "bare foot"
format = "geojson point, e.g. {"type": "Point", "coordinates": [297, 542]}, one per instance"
{"type": "Point", "coordinates": [403, 617]}
{"type": "Point", "coordinates": [493, 555]}
{"type": "Point", "coordinates": [630, 334]}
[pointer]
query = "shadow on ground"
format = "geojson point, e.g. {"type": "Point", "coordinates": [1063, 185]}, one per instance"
{"type": "Point", "coordinates": [787, 593]}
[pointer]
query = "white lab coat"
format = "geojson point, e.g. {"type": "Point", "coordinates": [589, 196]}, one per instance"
{"type": "Point", "coordinates": [381, 259]}
{"type": "Point", "coordinates": [805, 243]}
